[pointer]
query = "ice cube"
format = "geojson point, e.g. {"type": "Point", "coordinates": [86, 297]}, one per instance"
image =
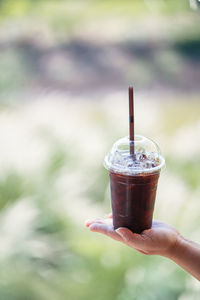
{"type": "Point", "coordinates": [142, 157]}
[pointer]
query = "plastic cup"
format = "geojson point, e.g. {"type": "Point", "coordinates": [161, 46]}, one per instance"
{"type": "Point", "coordinates": [133, 182]}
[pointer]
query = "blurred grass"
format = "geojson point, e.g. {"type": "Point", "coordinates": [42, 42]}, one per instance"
{"type": "Point", "coordinates": [57, 256]}
{"type": "Point", "coordinates": [68, 15]}
{"type": "Point", "coordinates": [12, 187]}
{"type": "Point", "coordinates": [92, 8]}
{"type": "Point", "coordinates": [185, 113]}
{"type": "Point", "coordinates": [188, 170]}
{"type": "Point", "coordinates": [50, 45]}
{"type": "Point", "coordinates": [45, 251]}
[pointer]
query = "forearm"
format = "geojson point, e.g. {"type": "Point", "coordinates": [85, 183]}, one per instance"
{"type": "Point", "coordinates": [187, 255]}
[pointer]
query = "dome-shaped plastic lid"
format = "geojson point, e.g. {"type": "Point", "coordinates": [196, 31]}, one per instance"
{"type": "Point", "coordinates": [147, 157]}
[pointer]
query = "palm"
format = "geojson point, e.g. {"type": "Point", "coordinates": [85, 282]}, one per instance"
{"type": "Point", "coordinates": [157, 240]}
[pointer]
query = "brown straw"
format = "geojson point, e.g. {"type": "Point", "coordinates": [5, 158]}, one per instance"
{"type": "Point", "coordinates": [131, 120]}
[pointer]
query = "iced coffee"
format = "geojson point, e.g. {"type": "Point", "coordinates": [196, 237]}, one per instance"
{"type": "Point", "coordinates": [133, 182]}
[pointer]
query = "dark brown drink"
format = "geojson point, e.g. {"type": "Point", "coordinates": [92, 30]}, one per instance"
{"type": "Point", "coordinates": [134, 164]}
{"type": "Point", "coordinates": [133, 198]}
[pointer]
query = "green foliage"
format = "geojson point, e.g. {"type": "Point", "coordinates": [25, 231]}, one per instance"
{"type": "Point", "coordinates": [188, 170]}
{"type": "Point", "coordinates": [185, 115]}
{"type": "Point", "coordinates": [51, 256]}
{"type": "Point", "coordinates": [99, 179]}
{"type": "Point", "coordinates": [56, 256]}
{"type": "Point", "coordinates": [56, 162]}
{"type": "Point", "coordinates": [12, 187]}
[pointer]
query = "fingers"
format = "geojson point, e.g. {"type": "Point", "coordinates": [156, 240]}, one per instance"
{"type": "Point", "coordinates": [90, 221]}
{"type": "Point", "coordinates": [105, 229]}
{"type": "Point", "coordinates": [122, 234]}
{"type": "Point", "coordinates": [107, 220]}
{"type": "Point", "coordinates": [103, 226]}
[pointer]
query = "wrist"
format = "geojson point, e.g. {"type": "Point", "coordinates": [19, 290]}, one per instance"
{"type": "Point", "coordinates": [177, 248]}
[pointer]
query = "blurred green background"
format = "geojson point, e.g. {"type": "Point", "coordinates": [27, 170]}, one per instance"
{"type": "Point", "coordinates": [65, 68]}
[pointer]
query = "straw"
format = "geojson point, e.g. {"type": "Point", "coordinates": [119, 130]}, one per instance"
{"type": "Point", "coordinates": [131, 120]}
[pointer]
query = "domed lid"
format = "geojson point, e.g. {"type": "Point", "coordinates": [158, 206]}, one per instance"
{"type": "Point", "coordinates": [147, 157]}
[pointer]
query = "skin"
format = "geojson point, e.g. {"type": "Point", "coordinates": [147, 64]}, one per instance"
{"type": "Point", "coordinates": [162, 239]}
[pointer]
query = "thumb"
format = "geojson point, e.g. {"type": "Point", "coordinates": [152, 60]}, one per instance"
{"type": "Point", "coordinates": [129, 237]}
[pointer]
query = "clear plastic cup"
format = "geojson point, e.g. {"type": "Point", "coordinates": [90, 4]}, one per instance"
{"type": "Point", "coordinates": [133, 182]}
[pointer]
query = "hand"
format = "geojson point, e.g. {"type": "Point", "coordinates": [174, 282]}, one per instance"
{"type": "Point", "coordinates": [161, 239]}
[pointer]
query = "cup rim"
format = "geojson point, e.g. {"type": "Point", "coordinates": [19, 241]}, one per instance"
{"type": "Point", "coordinates": [137, 171]}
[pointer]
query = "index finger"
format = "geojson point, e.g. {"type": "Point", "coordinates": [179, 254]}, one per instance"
{"type": "Point", "coordinates": [105, 229]}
